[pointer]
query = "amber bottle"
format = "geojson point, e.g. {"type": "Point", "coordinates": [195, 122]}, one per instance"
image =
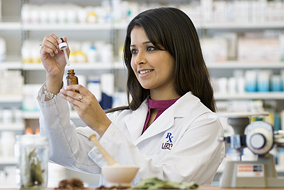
{"type": "Point", "coordinates": [71, 78]}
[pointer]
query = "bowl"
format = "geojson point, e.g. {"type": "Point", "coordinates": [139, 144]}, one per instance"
{"type": "Point", "coordinates": [119, 175]}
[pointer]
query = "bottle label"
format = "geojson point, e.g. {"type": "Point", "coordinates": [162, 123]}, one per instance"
{"type": "Point", "coordinates": [71, 82]}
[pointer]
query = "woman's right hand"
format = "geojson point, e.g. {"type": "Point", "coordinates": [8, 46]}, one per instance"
{"type": "Point", "coordinates": [51, 56]}
{"type": "Point", "coordinates": [53, 60]}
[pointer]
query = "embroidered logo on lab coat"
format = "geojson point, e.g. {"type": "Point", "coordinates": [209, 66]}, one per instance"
{"type": "Point", "coordinates": [169, 143]}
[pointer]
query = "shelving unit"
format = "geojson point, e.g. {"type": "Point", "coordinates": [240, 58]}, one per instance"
{"type": "Point", "coordinates": [14, 62]}
{"type": "Point", "coordinates": [76, 66]}
{"type": "Point", "coordinates": [244, 25]}
{"type": "Point", "coordinates": [66, 27]}
{"type": "Point", "coordinates": [35, 115]}
{"type": "Point", "coordinates": [244, 65]}
{"type": "Point", "coordinates": [10, 26]}
{"type": "Point", "coordinates": [8, 161]}
{"type": "Point", "coordinates": [251, 96]}
{"type": "Point", "coordinates": [12, 127]}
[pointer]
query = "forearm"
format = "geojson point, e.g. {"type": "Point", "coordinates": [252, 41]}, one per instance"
{"type": "Point", "coordinates": [53, 84]}
{"type": "Point", "coordinates": [69, 145]}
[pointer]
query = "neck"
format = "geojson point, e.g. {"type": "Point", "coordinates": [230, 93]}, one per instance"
{"type": "Point", "coordinates": [163, 96]}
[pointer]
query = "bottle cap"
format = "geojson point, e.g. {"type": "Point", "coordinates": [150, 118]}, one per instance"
{"type": "Point", "coordinates": [37, 131]}
{"type": "Point", "coordinates": [29, 131]}
{"type": "Point", "coordinates": [62, 45]}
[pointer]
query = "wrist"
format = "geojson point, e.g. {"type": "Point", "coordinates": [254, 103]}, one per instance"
{"type": "Point", "coordinates": [48, 95]}
{"type": "Point", "coordinates": [103, 127]}
{"type": "Point", "coordinates": [53, 84]}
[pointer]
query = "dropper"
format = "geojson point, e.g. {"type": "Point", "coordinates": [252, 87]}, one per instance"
{"type": "Point", "coordinates": [63, 46]}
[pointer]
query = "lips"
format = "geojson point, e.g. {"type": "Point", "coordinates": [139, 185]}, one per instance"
{"type": "Point", "coordinates": [145, 71]}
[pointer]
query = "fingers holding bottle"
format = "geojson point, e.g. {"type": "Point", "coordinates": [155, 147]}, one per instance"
{"type": "Point", "coordinates": [49, 46]}
{"type": "Point", "coordinates": [54, 62]}
{"type": "Point", "coordinates": [87, 107]}
{"type": "Point", "coordinates": [52, 57]}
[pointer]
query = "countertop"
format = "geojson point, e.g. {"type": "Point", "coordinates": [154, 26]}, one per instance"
{"type": "Point", "coordinates": [203, 187]}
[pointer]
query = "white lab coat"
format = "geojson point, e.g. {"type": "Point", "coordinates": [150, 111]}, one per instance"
{"type": "Point", "coordinates": [180, 145]}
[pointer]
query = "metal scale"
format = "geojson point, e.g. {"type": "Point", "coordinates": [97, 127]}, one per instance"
{"type": "Point", "coordinates": [260, 139]}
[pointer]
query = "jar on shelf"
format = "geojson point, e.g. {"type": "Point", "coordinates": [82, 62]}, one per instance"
{"type": "Point", "coordinates": [7, 142]}
{"type": "Point", "coordinates": [32, 155]}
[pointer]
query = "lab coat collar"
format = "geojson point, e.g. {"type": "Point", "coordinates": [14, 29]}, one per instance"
{"type": "Point", "coordinates": [184, 105]}
{"type": "Point", "coordinates": [136, 120]}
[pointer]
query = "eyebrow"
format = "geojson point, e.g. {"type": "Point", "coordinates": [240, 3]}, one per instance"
{"type": "Point", "coordinates": [147, 42]}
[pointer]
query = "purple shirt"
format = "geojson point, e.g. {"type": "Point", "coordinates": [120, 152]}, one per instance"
{"type": "Point", "coordinates": [161, 105]}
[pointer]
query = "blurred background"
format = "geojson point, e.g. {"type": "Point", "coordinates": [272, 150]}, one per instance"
{"type": "Point", "coordinates": [242, 43]}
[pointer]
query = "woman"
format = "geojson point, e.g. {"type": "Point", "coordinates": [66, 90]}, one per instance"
{"type": "Point", "coordinates": [166, 129]}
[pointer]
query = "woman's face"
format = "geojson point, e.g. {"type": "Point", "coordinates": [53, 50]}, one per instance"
{"type": "Point", "coordinates": [153, 68]}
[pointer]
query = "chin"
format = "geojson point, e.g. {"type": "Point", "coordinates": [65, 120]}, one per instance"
{"type": "Point", "coordinates": [146, 87]}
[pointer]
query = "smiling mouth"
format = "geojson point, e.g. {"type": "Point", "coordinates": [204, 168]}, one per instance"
{"type": "Point", "coordinates": [145, 71]}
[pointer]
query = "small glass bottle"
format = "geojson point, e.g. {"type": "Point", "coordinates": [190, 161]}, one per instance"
{"type": "Point", "coordinates": [71, 78]}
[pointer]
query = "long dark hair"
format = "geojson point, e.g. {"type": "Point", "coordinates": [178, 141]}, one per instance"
{"type": "Point", "coordinates": [174, 31]}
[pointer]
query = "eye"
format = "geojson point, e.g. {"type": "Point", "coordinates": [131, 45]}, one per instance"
{"type": "Point", "coordinates": [151, 48]}
{"type": "Point", "coordinates": [134, 51]}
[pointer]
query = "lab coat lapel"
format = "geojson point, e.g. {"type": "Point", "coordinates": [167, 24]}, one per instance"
{"type": "Point", "coordinates": [135, 121]}
{"type": "Point", "coordinates": [166, 120]}
{"type": "Point", "coordinates": [162, 123]}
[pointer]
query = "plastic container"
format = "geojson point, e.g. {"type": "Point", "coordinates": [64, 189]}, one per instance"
{"type": "Point", "coordinates": [2, 50]}
{"type": "Point", "coordinates": [7, 142]}
{"type": "Point", "coordinates": [7, 116]}
{"type": "Point", "coordinates": [94, 86]}
{"type": "Point", "coordinates": [92, 55]}
{"type": "Point", "coordinates": [32, 155]}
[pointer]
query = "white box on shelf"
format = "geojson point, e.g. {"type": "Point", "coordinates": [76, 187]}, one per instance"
{"type": "Point", "coordinates": [258, 49]}
{"type": "Point", "coordinates": [30, 92]}
{"type": "Point", "coordinates": [214, 49]}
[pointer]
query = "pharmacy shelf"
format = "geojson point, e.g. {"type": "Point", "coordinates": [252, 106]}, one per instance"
{"type": "Point", "coordinates": [14, 99]}
{"type": "Point", "coordinates": [120, 26]}
{"type": "Point", "coordinates": [120, 65]}
{"type": "Point", "coordinates": [245, 65]}
{"type": "Point", "coordinates": [77, 66]}
{"type": "Point", "coordinates": [11, 65]}
{"type": "Point", "coordinates": [12, 127]}
{"type": "Point", "coordinates": [91, 66]}
{"type": "Point", "coordinates": [123, 26]}
{"type": "Point", "coordinates": [10, 26]}
{"type": "Point", "coordinates": [35, 115]}
{"type": "Point", "coordinates": [231, 25]}
{"type": "Point", "coordinates": [8, 186]}
{"type": "Point", "coordinates": [252, 95]}
{"type": "Point", "coordinates": [32, 66]}
{"type": "Point", "coordinates": [71, 26]}
{"type": "Point", "coordinates": [11, 62]}
{"type": "Point", "coordinates": [30, 115]}
{"type": "Point", "coordinates": [242, 25]}
{"type": "Point", "coordinates": [7, 160]}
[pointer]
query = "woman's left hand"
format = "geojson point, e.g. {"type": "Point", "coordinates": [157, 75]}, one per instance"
{"type": "Point", "coordinates": [87, 107]}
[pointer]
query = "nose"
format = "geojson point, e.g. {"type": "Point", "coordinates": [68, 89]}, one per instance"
{"type": "Point", "coordinates": [140, 58]}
